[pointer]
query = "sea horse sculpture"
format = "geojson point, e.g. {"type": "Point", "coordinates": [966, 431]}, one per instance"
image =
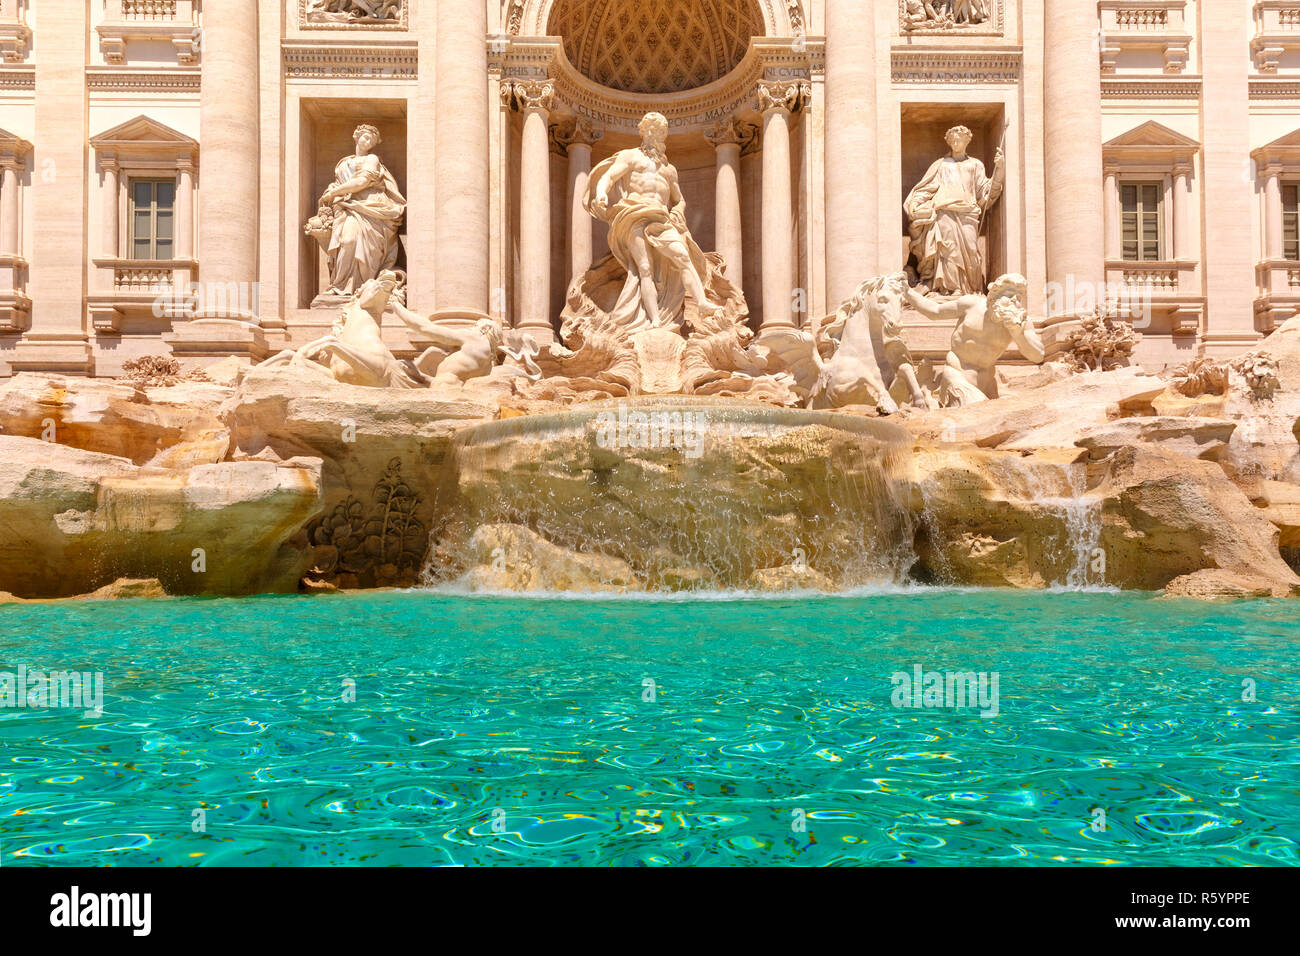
{"type": "Point", "coordinates": [354, 352]}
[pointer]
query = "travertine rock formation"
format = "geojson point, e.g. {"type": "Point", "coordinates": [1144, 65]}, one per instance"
{"type": "Point", "coordinates": [77, 520]}
{"type": "Point", "coordinates": [264, 477]}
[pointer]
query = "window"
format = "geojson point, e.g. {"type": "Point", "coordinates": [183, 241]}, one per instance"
{"type": "Point", "coordinates": [1141, 204]}
{"type": "Point", "coordinates": [1291, 221]}
{"type": "Point", "coordinates": [152, 215]}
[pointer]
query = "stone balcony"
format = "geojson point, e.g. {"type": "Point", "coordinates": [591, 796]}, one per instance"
{"type": "Point", "coordinates": [1277, 33]}
{"type": "Point", "coordinates": [167, 20]}
{"type": "Point", "coordinates": [1278, 299]}
{"type": "Point", "coordinates": [1144, 26]}
{"type": "Point", "coordinates": [125, 288]}
{"type": "Point", "coordinates": [1172, 289]}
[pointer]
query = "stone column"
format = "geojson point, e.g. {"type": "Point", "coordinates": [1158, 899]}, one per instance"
{"type": "Point", "coordinates": [729, 239]}
{"type": "Point", "coordinates": [533, 99]}
{"type": "Point", "coordinates": [1273, 213]}
{"type": "Point", "coordinates": [461, 162]}
{"type": "Point", "coordinates": [1185, 247]}
{"type": "Point", "coordinates": [185, 209]}
{"type": "Point", "coordinates": [229, 131]}
{"type": "Point", "coordinates": [1229, 197]}
{"type": "Point", "coordinates": [852, 252]}
{"type": "Point", "coordinates": [778, 101]}
{"type": "Point", "coordinates": [1114, 217]}
{"type": "Point", "coordinates": [1072, 146]}
{"type": "Point", "coordinates": [11, 211]}
{"type": "Point", "coordinates": [577, 140]}
{"type": "Point", "coordinates": [56, 340]}
{"type": "Point", "coordinates": [111, 237]}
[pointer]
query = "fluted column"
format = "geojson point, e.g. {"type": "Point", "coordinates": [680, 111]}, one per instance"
{"type": "Point", "coordinates": [461, 161]}
{"type": "Point", "coordinates": [10, 211]}
{"type": "Point", "coordinates": [852, 251]}
{"type": "Point", "coordinates": [533, 99]}
{"type": "Point", "coordinates": [1072, 146]}
{"type": "Point", "coordinates": [577, 139]}
{"type": "Point", "coordinates": [778, 101]}
{"type": "Point", "coordinates": [229, 131]}
{"type": "Point", "coordinates": [110, 236]}
{"type": "Point", "coordinates": [185, 209]}
{"type": "Point", "coordinates": [729, 238]}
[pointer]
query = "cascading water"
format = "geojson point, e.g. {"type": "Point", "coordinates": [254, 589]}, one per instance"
{"type": "Point", "coordinates": [1061, 490]}
{"type": "Point", "coordinates": [688, 494]}
{"type": "Point", "coordinates": [1003, 519]}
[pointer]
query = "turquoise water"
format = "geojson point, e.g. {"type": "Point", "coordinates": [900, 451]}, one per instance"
{"type": "Point", "coordinates": [522, 731]}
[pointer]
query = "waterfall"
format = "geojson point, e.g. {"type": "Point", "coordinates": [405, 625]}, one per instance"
{"type": "Point", "coordinates": [1080, 516]}
{"type": "Point", "coordinates": [682, 494]}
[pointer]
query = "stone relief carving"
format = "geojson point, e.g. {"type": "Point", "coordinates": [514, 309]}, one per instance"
{"type": "Point", "coordinates": [358, 217]}
{"type": "Point", "coordinates": [353, 12]}
{"type": "Point", "coordinates": [986, 326]}
{"type": "Point", "coordinates": [941, 15]}
{"type": "Point", "coordinates": [386, 541]}
{"type": "Point", "coordinates": [946, 212]}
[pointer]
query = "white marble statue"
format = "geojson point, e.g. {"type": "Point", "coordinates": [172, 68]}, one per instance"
{"type": "Point", "coordinates": [867, 332]}
{"type": "Point", "coordinates": [946, 211]}
{"type": "Point", "coordinates": [354, 352]}
{"type": "Point", "coordinates": [458, 354]}
{"type": "Point", "coordinates": [358, 218]}
{"type": "Point", "coordinates": [636, 193]}
{"type": "Point", "coordinates": [851, 376]}
{"type": "Point", "coordinates": [986, 325]}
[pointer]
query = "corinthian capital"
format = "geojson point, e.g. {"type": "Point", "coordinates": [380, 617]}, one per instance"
{"type": "Point", "coordinates": [788, 95]}
{"type": "Point", "coordinates": [576, 132]}
{"type": "Point", "coordinates": [528, 95]}
{"type": "Point", "coordinates": [725, 133]}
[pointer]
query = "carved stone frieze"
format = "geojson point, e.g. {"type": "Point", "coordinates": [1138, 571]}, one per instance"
{"type": "Point", "coordinates": [353, 14]}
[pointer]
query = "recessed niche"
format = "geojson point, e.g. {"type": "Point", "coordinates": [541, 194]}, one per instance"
{"type": "Point", "coordinates": [327, 129]}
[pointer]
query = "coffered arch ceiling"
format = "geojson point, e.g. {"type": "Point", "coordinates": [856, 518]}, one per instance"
{"type": "Point", "coordinates": [655, 46]}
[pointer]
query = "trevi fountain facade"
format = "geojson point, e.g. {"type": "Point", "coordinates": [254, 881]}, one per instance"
{"type": "Point", "coordinates": [665, 295]}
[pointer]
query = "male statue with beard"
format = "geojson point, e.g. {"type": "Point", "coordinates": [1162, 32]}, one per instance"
{"type": "Point", "coordinates": [986, 325]}
{"type": "Point", "coordinates": [637, 193]}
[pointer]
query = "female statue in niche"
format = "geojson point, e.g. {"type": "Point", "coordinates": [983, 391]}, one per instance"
{"type": "Point", "coordinates": [946, 210]}
{"type": "Point", "coordinates": [358, 218]}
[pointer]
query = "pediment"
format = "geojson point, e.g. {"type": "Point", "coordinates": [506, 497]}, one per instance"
{"type": "Point", "coordinates": [144, 134]}
{"type": "Point", "coordinates": [1154, 136]}
{"type": "Point", "coordinates": [13, 146]}
{"type": "Point", "coordinates": [1288, 146]}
